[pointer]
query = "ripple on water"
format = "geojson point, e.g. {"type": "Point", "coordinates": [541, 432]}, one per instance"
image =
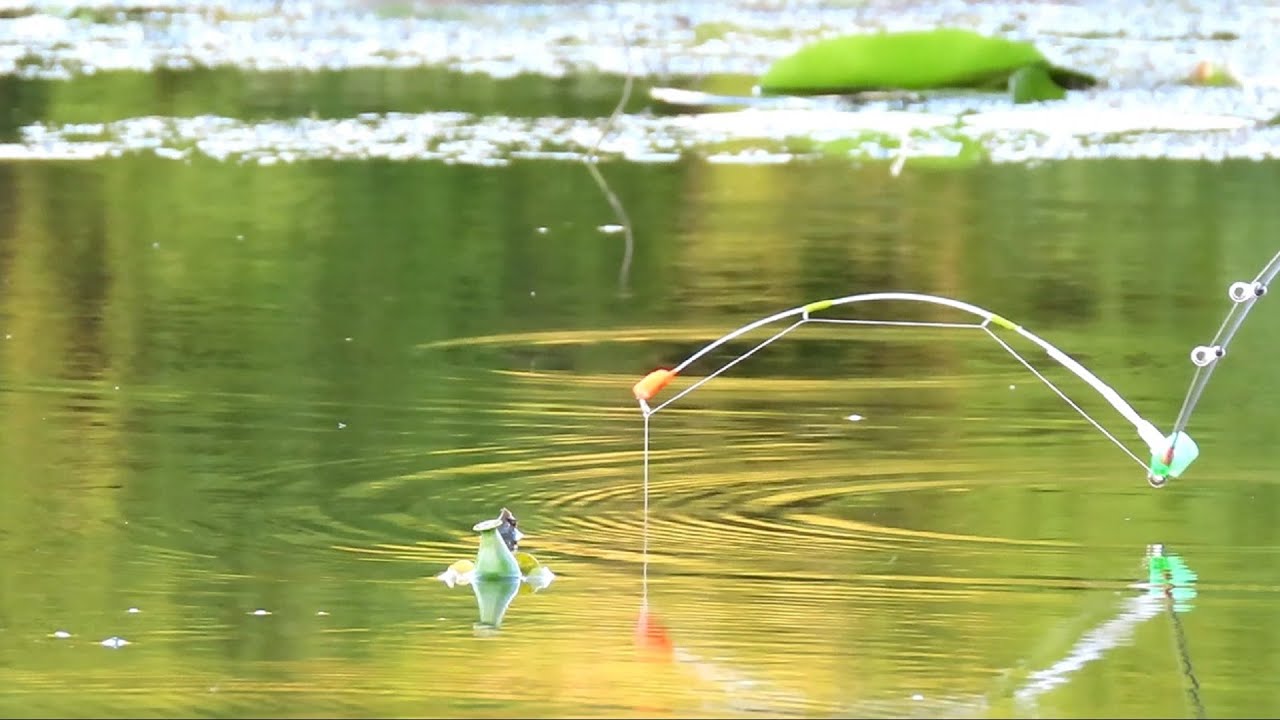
{"type": "Point", "coordinates": [769, 482]}
{"type": "Point", "coordinates": [840, 542]}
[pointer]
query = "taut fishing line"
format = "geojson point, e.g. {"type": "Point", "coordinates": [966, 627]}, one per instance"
{"type": "Point", "coordinates": [624, 271]}
{"type": "Point", "coordinates": [1170, 455]}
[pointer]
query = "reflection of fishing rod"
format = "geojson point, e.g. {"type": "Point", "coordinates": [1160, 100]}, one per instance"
{"type": "Point", "coordinates": [1170, 586]}
{"type": "Point", "coordinates": [1177, 578]}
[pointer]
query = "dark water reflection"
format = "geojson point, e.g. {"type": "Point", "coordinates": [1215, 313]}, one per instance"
{"type": "Point", "coordinates": [255, 96]}
{"type": "Point", "coordinates": [293, 389]}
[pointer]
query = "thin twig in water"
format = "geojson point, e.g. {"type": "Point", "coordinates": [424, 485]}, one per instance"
{"type": "Point", "coordinates": [592, 159]}
{"type": "Point", "coordinates": [903, 149]}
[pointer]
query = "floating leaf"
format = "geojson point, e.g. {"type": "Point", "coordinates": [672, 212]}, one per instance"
{"type": "Point", "coordinates": [528, 563]}
{"type": "Point", "coordinates": [459, 573]}
{"type": "Point", "coordinates": [1033, 84]}
{"type": "Point", "coordinates": [916, 60]}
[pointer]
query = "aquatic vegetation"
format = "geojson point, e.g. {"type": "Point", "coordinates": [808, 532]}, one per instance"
{"type": "Point", "coordinates": [726, 30]}
{"type": "Point", "coordinates": [921, 60]}
{"type": "Point", "coordinates": [1210, 74]}
{"type": "Point", "coordinates": [1034, 83]}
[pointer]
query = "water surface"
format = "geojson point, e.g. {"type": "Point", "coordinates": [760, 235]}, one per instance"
{"type": "Point", "coordinates": [251, 410]}
{"type": "Point", "coordinates": [293, 389]}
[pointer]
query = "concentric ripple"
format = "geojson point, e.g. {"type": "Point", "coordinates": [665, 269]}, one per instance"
{"type": "Point", "coordinates": [785, 543]}
{"type": "Point", "coordinates": [769, 470]}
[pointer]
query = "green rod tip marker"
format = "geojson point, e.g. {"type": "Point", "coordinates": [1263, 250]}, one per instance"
{"type": "Point", "coordinates": [1172, 458]}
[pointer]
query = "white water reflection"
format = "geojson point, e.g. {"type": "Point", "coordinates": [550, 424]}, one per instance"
{"type": "Point", "coordinates": [758, 136]}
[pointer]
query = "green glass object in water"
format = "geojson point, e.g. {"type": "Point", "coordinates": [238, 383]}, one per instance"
{"type": "Point", "coordinates": [494, 559]}
{"type": "Point", "coordinates": [493, 597]}
{"type": "Point", "coordinates": [1185, 452]}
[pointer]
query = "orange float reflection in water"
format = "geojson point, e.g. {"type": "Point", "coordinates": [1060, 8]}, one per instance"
{"type": "Point", "coordinates": [652, 637]}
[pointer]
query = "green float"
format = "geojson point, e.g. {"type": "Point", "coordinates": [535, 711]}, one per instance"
{"type": "Point", "coordinates": [494, 560]}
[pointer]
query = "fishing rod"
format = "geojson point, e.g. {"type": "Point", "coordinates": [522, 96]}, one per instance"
{"type": "Point", "coordinates": [1170, 455]}
{"type": "Point", "coordinates": [1205, 357]}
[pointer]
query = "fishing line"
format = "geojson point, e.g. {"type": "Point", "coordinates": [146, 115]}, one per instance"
{"type": "Point", "coordinates": [1064, 396]}
{"type": "Point", "coordinates": [1170, 455]}
{"type": "Point", "coordinates": [653, 383]}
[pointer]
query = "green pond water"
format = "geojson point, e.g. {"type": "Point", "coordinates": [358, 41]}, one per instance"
{"type": "Point", "coordinates": [248, 413]}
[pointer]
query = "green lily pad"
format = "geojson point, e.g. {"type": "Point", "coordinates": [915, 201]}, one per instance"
{"type": "Point", "coordinates": [459, 573]}
{"type": "Point", "coordinates": [915, 60]}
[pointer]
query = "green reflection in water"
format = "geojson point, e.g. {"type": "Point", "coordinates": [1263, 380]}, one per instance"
{"type": "Point", "coordinates": [229, 388]}
{"type": "Point", "coordinates": [236, 93]}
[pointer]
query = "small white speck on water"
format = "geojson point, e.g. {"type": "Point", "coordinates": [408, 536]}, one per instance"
{"type": "Point", "coordinates": [117, 387]}
{"type": "Point", "coordinates": [240, 237]}
{"type": "Point", "coordinates": [854, 418]}
{"type": "Point", "coordinates": [542, 229]}
{"type": "Point", "coordinates": [60, 634]}
{"type": "Point", "coordinates": [322, 613]}
{"type": "Point", "coordinates": [155, 244]}
{"type": "Point", "coordinates": [533, 293]}
{"type": "Point", "coordinates": [347, 339]}
{"type": "Point", "coordinates": [917, 696]}
{"type": "Point", "coordinates": [1011, 387]}
{"type": "Point", "coordinates": [115, 642]}
{"type": "Point", "coordinates": [7, 336]}
{"type": "Point", "coordinates": [610, 229]}
{"type": "Point", "coordinates": [134, 611]}
{"type": "Point", "coordinates": [260, 611]}
{"type": "Point", "coordinates": [342, 425]}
